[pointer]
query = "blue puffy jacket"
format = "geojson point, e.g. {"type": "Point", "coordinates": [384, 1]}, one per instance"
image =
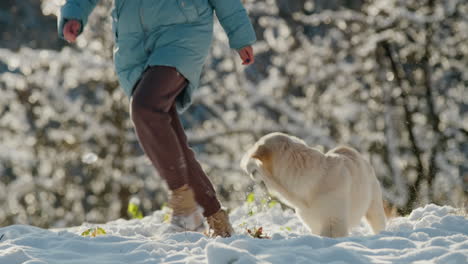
{"type": "Point", "coordinates": [175, 33]}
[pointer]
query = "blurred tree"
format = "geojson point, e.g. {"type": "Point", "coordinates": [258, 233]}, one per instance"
{"type": "Point", "coordinates": [22, 23]}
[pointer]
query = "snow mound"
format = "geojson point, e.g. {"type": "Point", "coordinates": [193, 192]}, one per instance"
{"type": "Point", "coordinates": [432, 234]}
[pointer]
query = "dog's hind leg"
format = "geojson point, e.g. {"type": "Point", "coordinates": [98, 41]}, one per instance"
{"type": "Point", "coordinates": [376, 215]}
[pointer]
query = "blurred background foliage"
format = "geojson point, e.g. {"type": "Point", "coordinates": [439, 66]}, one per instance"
{"type": "Point", "coordinates": [388, 77]}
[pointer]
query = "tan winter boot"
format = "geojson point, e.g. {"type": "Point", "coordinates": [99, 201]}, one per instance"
{"type": "Point", "coordinates": [186, 214]}
{"type": "Point", "coordinates": [219, 224]}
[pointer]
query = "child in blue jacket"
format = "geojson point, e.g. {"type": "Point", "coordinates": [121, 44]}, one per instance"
{"type": "Point", "coordinates": [160, 49]}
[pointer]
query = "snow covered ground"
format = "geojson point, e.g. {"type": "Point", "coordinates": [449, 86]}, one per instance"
{"type": "Point", "coordinates": [431, 234]}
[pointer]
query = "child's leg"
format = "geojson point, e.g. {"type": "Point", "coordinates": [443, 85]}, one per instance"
{"type": "Point", "coordinates": [205, 194]}
{"type": "Point", "coordinates": [217, 219]}
{"type": "Point", "coordinates": [150, 105]}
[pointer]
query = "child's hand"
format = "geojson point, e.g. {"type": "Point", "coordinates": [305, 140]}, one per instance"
{"type": "Point", "coordinates": [247, 55]}
{"type": "Point", "coordinates": [71, 30]}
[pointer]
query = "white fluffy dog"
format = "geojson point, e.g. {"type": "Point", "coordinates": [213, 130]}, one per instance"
{"type": "Point", "coordinates": [331, 192]}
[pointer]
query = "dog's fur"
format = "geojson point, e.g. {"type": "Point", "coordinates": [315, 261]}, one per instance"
{"type": "Point", "coordinates": [330, 192]}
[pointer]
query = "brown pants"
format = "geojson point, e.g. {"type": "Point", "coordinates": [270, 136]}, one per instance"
{"type": "Point", "coordinates": [162, 136]}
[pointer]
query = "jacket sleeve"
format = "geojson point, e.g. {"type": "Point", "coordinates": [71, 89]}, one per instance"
{"type": "Point", "coordinates": [235, 22]}
{"type": "Point", "coordinates": [75, 9]}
